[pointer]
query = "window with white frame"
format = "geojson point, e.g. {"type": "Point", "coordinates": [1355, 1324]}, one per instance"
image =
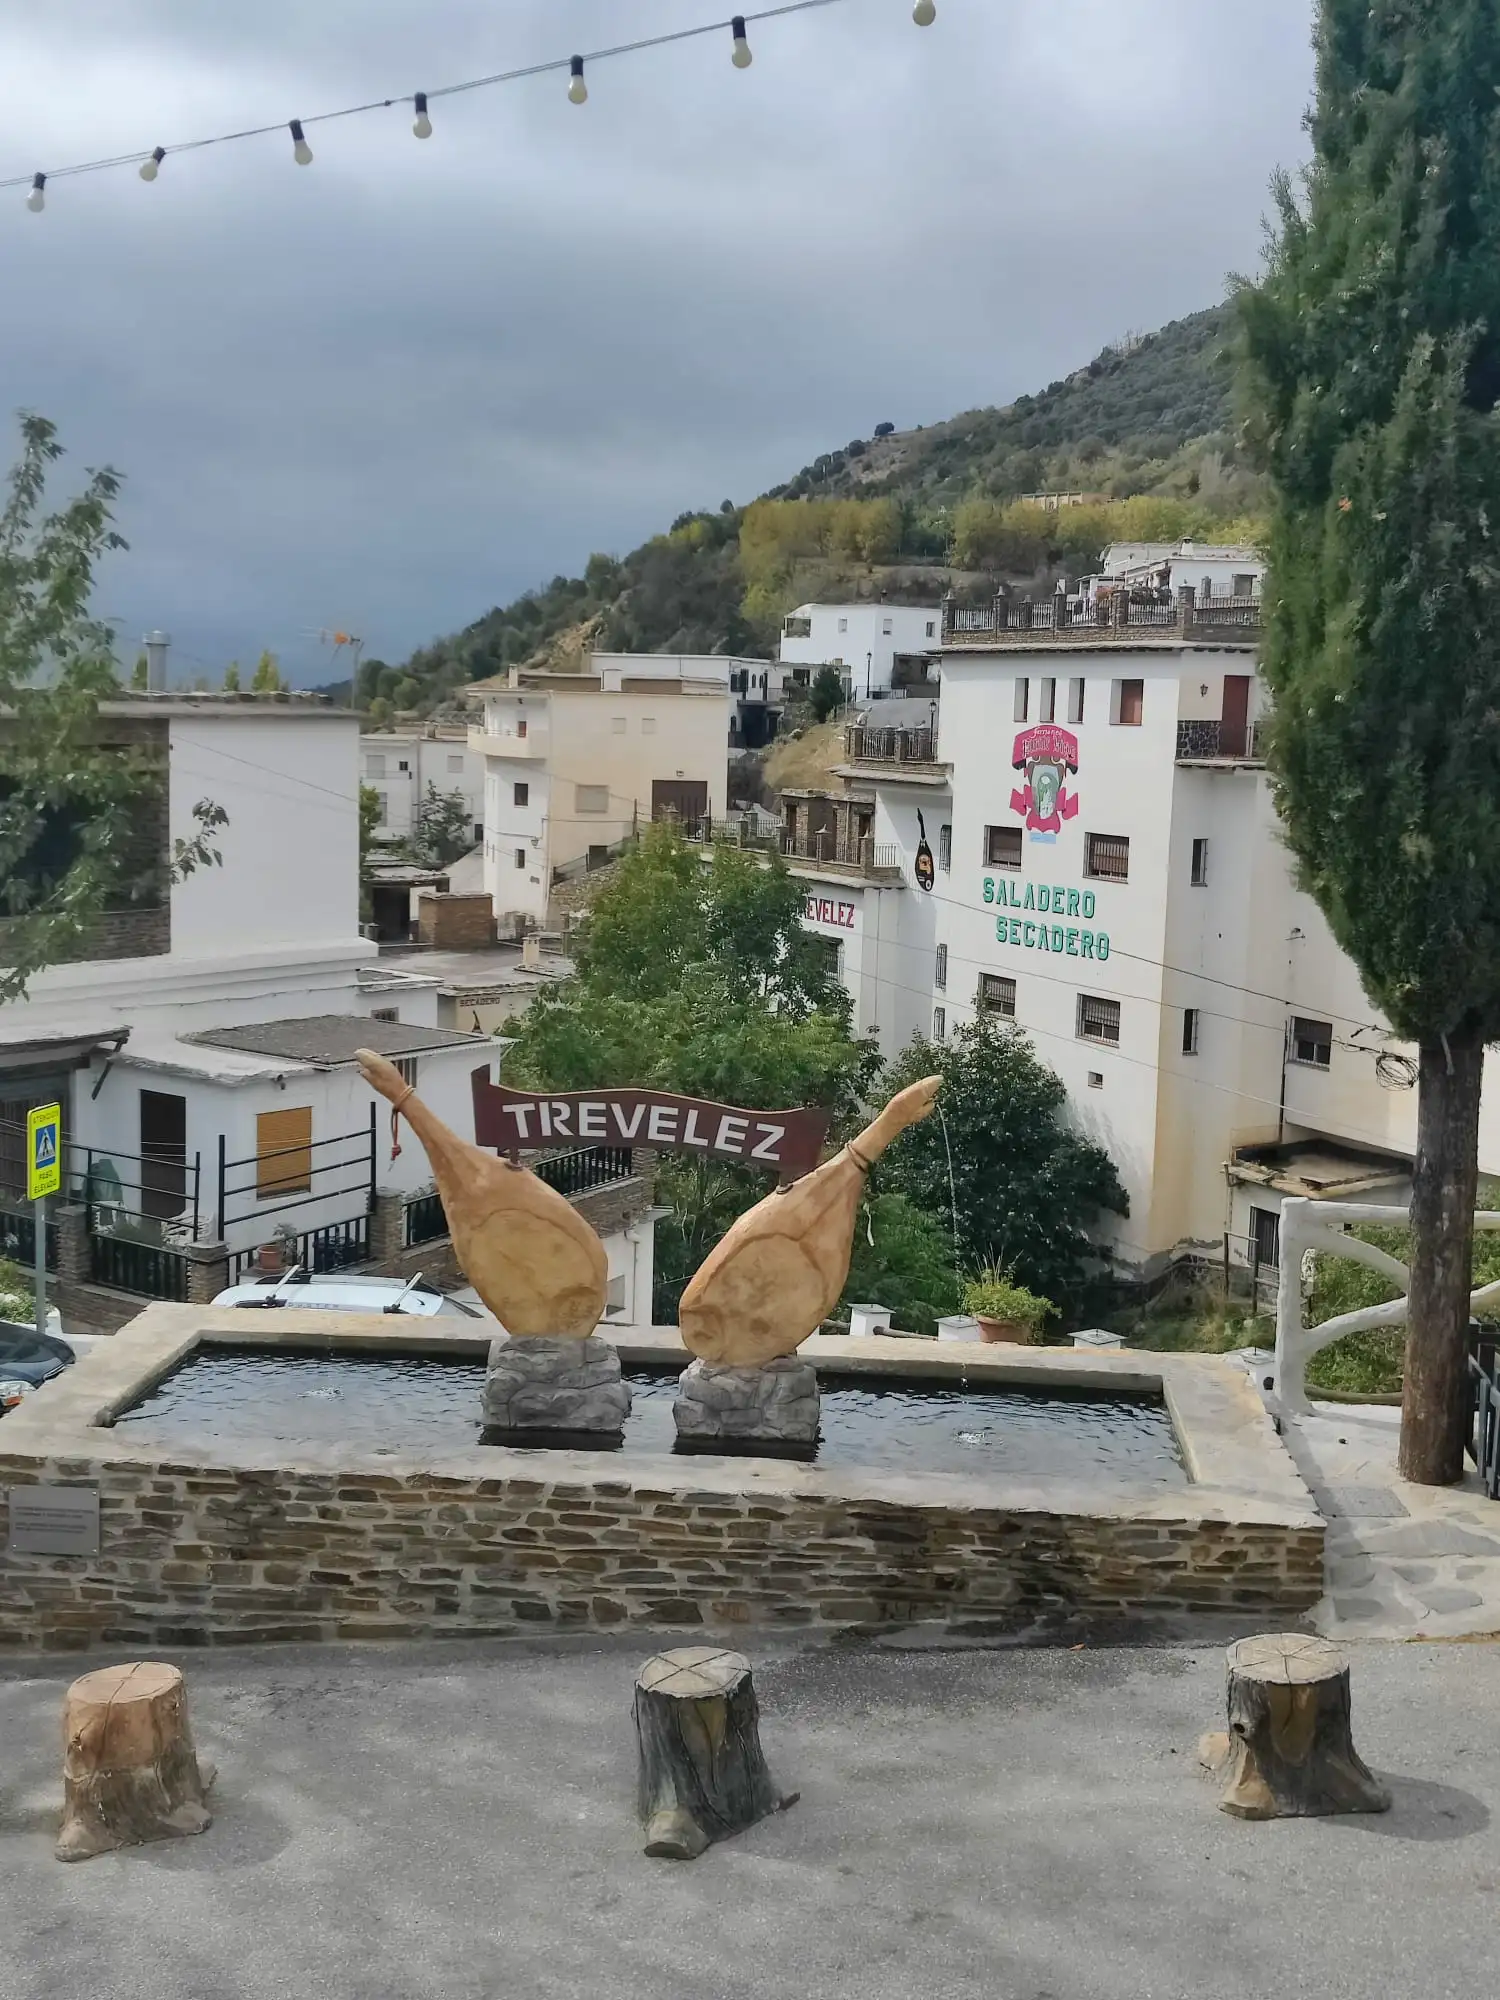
{"type": "Point", "coordinates": [1098, 1020]}
{"type": "Point", "coordinates": [945, 848]}
{"type": "Point", "coordinates": [939, 1024]}
{"type": "Point", "coordinates": [1023, 699]}
{"type": "Point", "coordinates": [1075, 699]}
{"type": "Point", "coordinates": [455, 763]}
{"type": "Point", "coordinates": [375, 765]}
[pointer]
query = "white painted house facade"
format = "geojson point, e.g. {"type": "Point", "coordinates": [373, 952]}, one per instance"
{"type": "Point", "coordinates": [865, 641]}
{"type": "Point", "coordinates": [399, 766]}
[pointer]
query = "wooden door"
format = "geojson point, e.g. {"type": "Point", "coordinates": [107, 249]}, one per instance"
{"type": "Point", "coordinates": [163, 1153]}
{"type": "Point", "coordinates": [283, 1152]}
{"type": "Point", "coordinates": [683, 799]}
{"type": "Point", "coordinates": [1234, 728]}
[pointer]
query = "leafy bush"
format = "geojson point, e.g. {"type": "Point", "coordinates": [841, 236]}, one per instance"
{"type": "Point", "coordinates": [993, 1295]}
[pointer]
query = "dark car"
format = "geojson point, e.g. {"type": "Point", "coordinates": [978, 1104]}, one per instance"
{"type": "Point", "coordinates": [31, 1357]}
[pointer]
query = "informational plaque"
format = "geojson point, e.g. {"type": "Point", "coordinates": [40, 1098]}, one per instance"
{"type": "Point", "coordinates": [54, 1520]}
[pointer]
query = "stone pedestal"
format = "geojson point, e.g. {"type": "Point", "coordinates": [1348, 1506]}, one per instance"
{"type": "Point", "coordinates": [537, 1384]}
{"type": "Point", "coordinates": [776, 1403]}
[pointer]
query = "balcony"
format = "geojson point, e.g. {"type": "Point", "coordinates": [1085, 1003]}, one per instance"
{"type": "Point", "coordinates": [1118, 620]}
{"type": "Point", "coordinates": [1211, 742]}
{"type": "Point", "coordinates": [860, 861]}
{"type": "Point", "coordinates": [531, 747]}
{"type": "Point", "coordinates": [892, 748]}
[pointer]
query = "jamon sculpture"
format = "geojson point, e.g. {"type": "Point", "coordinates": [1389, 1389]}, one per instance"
{"type": "Point", "coordinates": [769, 1283]}
{"type": "Point", "coordinates": [536, 1264]}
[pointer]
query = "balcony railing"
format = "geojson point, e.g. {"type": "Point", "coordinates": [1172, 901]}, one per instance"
{"type": "Point", "coordinates": [736, 831]}
{"type": "Point", "coordinates": [825, 849]}
{"type": "Point", "coordinates": [1020, 621]}
{"type": "Point", "coordinates": [1213, 742]}
{"type": "Point", "coordinates": [863, 745]}
{"type": "Point", "coordinates": [591, 1167]}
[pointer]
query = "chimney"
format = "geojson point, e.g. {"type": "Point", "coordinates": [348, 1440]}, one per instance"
{"type": "Point", "coordinates": [531, 952]}
{"type": "Point", "coordinates": [156, 644]}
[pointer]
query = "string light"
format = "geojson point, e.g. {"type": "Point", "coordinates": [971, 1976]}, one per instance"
{"type": "Point", "coordinates": [924, 13]}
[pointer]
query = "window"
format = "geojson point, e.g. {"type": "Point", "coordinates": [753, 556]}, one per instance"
{"type": "Point", "coordinates": [997, 995]}
{"type": "Point", "coordinates": [1023, 698]}
{"type": "Point", "coordinates": [1190, 1031]}
{"type": "Point", "coordinates": [1128, 700]}
{"type": "Point", "coordinates": [1046, 708]}
{"type": "Point", "coordinates": [617, 724]}
{"type": "Point", "coordinates": [1244, 586]}
{"type": "Point", "coordinates": [939, 1024]}
{"type": "Point", "coordinates": [384, 1014]}
{"type": "Point", "coordinates": [591, 798]}
{"type": "Point", "coordinates": [374, 766]}
{"type": "Point", "coordinates": [521, 728]}
{"type": "Point", "coordinates": [404, 766]}
{"type": "Point", "coordinates": [407, 1065]}
{"type": "Point", "coordinates": [283, 1152]}
{"type": "Point", "coordinates": [1107, 856]}
{"type": "Point", "coordinates": [940, 976]}
{"type": "Point", "coordinates": [1265, 1238]}
{"type": "Point", "coordinates": [945, 848]}
{"type": "Point", "coordinates": [1075, 700]}
{"type": "Point", "coordinates": [648, 725]}
{"type": "Point", "coordinates": [931, 628]}
{"type": "Point", "coordinates": [1002, 847]}
{"type": "Point", "coordinates": [885, 626]}
{"type": "Point", "coordinates": [1096, 1079]}
{"type": "Point", "coordinates": [521, 795]}
{"type": "Point", "coordinates": [478, 833]}
{"type": "Point", "coordinates": [455, 763]}
{"type": "Point", "coordinates": [1312, 1042]}
{"type": "Point", "coordinates": [843, 624]}
{"type": "Point", "coordinates": [520, 857]}
{"type": "Point", "coordinates": [1200, 864]}
{"type": "Point", "coordinates": [598, 857]}
{"type": "Point", "coordinates": [1098, 1020]}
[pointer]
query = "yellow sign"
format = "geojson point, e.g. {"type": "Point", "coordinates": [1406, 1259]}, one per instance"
{"type": "Point", "coordinates": [43, 1151]}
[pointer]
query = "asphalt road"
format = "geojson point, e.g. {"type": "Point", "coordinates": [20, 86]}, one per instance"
{"type": "Point", "coordinates": [1018, 1825]}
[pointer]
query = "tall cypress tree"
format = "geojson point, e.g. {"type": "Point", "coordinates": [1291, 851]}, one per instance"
{"type": "Point", "coordinates": [1372, 364]}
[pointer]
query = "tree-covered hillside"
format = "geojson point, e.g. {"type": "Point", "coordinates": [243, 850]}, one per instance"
{"type": "Point", "coordinates": [908, 513]}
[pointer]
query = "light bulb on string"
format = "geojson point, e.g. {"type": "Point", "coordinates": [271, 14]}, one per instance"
{"type": "Point", "coordinates": [36, 201]}
{"type": "Point", "coordinates": [924, 13]}
{"type": "Point", "coordinates": [302, 153]}
{"type": "Point", "coordinates": [742, 58]}
{"type": "Point", "coordinates": [578, 90]}
{"type": "Point", "coordinates": [150, 168]}
{"type": "Point", "coordinates": [421, 124]}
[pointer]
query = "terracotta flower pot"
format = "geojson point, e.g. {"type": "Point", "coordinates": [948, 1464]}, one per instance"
{"type": "Point", "coordinates": [269, 1260]}
{"type": "Point", "coordinates": [1010, 1332]}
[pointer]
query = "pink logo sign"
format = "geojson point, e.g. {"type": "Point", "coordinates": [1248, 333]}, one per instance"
{"type": "Point", "coordinates": [1049, 757]}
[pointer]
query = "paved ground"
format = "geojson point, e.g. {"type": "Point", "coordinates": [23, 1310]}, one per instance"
{"type": "Point", "coordinates": [1013, 1825]}
{"type": "Point", "coordinates": [1403, 1561]}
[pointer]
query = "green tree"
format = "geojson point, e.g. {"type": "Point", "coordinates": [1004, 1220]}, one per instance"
{"type": "Point", "coordinates": [267, 676]}
{"type": "Point", "coordinates": [826, 693]}
{"type": "Point", "coordinates": [232, 677]}
{"type": "Point", "coordinates": [444, 829]}
{"type": "Point", "coordinates": [699, 978]}
{"type": "Point", "coordinates": [371, 813]}
{"type": "Point", "coordinates": [70, 800]}
{"type": "Point", "coordinates": [1373, 371]}
{"type": "Point", "coordinates": [903, 1259]}
{"type": "Point", "coordinates": [140, 674]}
{"type": "Point", "coordinates": [1022, 1190]}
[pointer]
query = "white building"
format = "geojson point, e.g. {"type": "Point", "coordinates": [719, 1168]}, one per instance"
{"type": "Point", "coordinates": [756, 688]}
{"type": "Point", "coordinates": [203, 1053]}
{"type": "Point", "coordinates": [575, 763]}
{"type": "Point", "coordinates": [1108, 873]}
{"type": "Point", "coordinates": [400, 764]}
{"type": "Point", "coordinates": [878, 647]}
{"type": "Point", "coordinates": [1210, 570]}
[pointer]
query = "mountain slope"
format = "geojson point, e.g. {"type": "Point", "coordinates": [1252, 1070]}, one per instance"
{"type": "Point", "coordinates": [1148, 417]}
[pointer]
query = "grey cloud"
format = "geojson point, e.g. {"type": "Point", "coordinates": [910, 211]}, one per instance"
{"type": "Point", "coordinates": [398, 387]}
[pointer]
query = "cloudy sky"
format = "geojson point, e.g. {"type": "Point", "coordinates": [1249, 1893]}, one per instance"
{"type": "Point", "coordinates": [396, 387]}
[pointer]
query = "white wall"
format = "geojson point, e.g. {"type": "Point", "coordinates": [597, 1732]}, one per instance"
{"type": "Point", "coordinates": [510, 829]}
{"type": "Point", "coordinates": [864, 639]}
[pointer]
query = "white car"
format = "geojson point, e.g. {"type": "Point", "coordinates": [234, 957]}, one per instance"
{"type": "Point", "coordinates": [342, 1291]}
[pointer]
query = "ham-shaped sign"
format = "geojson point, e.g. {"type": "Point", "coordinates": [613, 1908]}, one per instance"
{"type": "Point", "coordinates": [790, 1143]}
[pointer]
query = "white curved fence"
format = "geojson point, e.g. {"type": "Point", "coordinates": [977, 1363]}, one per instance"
{"type": "Point", "coordinates": [1317, 1225]}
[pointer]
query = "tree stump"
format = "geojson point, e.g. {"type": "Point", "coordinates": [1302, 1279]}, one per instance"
{"type": "Point", "coordinates": [1289, 1753]}
{"type": "Point", "coordinates": [130, 1773]}
{"type": "Point", "coordinates": [702, 1773]}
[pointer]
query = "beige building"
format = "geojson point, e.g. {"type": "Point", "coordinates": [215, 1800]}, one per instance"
{"type": "Point", "coordinates": [574, 763]}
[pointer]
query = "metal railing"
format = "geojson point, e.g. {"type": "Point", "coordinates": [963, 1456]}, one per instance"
{"type": "Point", "coordinates": [890, 746]}
{"type": "Point", "coordinates": [1484, 1380]}
{"type": "Point", "coordinates": [119, 1184]}
{"type": "Point", "coordinates": [262, 1199]}
{"type": "Point", "coordinates": [18, 1240]}
{"type": "Point", "coordinates": [1208, 741]}
{"type": "Point", "coordinates": [580, 1172]}
{"type": "Point", "coordinates": [336, 1246]}
{"type": "Point", "coordinates": [423, 1220]}
{"type": "Point", "coordinates": [149, 1270]}
{"type": "Point", "coordinates": [826, 849]}
{"type": "Point", "coordinates": [1121, 617]}
{"type": "Point", "coordinates": [739, 830]}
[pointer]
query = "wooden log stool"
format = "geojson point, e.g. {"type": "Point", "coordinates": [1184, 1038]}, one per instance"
{"type": "Point", "coordinates": [702, 1773]}
{"type": "Point", "coordinates": [130, 1772]}
{"type": "Point", "coordinates": [1289, 1753]}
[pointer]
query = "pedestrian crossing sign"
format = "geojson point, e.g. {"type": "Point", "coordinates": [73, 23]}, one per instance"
{"type": "Point", "coordinates": [43, 1151]}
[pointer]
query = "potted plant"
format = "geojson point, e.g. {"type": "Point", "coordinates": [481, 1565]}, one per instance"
{"type": "Point", "coordinates": [1006, 1311]}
